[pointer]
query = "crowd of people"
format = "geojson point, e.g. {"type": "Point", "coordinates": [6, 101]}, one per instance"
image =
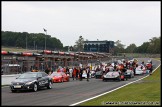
{"type": "Point", "coordinates": [77, 71]}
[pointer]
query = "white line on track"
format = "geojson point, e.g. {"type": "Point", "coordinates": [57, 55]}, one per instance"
{"type": "Point", "coordinates": [111, 90]}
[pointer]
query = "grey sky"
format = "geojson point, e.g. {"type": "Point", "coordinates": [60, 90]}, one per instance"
{"type": "Point", "coordinates": [130, 22]}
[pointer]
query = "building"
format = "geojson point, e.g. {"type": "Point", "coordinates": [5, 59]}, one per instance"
{"type": "Point", "coordinates": [99, 46]}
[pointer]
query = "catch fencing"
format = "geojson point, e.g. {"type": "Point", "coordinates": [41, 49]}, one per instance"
{"type": "Point", "coordinates": [17, 67]}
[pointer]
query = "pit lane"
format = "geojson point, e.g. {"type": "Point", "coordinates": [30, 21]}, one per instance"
{"type": "Point", "coordinates": [65, 93]}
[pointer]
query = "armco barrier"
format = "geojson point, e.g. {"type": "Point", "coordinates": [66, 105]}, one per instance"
{"type": "Point", "coordinates": [6, 79]}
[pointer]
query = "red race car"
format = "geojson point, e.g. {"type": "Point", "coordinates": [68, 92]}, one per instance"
{"type": "Point", "coordinates": [59, 77]}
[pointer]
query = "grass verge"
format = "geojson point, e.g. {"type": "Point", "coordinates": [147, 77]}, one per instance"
{"type": "Point", "coordinates": [143, 92]}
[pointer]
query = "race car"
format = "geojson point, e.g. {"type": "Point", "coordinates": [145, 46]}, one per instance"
{"type": "Point", "coordinates": [99, 74]}
{"type": "Point", "coordinates": [129, 73]}
{"type": "Point", "coordinates": [84, 75]}
{"type": "Point", "coordinates": [149, 66]}
{"type": "Point", "coordinates": [59, 77]}
{"type": "Point", "coordinates": [93, 73]}
{"type": "Point", "coordinates": [140, 70]}
{"type": "Point", "coordinates": [31, 81]}
{"type": "Point", "coordinates": [114, 75]}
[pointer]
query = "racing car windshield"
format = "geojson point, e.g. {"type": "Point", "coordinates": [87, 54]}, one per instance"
{"type": "Point", "coordinates": [27, 76]}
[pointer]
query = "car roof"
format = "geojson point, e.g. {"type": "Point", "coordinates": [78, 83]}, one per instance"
{"type": "Point", "coordinates": [33, 72]}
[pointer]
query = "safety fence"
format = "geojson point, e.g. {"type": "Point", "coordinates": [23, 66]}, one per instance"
{"type": "Point", "coordinates": [16, 67]}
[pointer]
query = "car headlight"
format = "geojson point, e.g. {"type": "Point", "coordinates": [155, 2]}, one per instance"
{"type": "Point", "coordinates": [128, 72]}
{"type": "Point", "coordinates": [28, 83]}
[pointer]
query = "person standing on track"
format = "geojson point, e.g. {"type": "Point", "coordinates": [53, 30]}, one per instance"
{"type": "Point", "coordinates": [74, 73]}
{"type": "Point", "coordinates": [81, 73]}
{"type": "Point", "coordinates": [88, 72]}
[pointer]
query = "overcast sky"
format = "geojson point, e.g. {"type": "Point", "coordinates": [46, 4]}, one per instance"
{"type": "Point", "coordinates": [129, 22]}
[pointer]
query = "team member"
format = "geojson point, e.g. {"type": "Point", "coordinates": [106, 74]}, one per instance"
{"type": "Point", "coordinates": [88, 72]}
{"type": "Point", "coordinates": [81, 73]}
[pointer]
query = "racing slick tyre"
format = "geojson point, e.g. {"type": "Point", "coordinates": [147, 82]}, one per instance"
{"type": "Point", "coordinates": [49, 85]}
{"type": "Point", "coordinates": [35, 87]}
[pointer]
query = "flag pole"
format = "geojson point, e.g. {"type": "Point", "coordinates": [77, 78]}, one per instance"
{"type": "Point", "coordinates": [45, 37]}
{"type": "Point", "coordinates": [45, 40]}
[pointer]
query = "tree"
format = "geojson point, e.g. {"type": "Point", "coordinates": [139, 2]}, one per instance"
{"type": "Point", "coordinates": [143, 48]}
{"type": "Point", "coordinates": [131, 48]}
{"type": "Point", "coordinates": [18, 39]}
{"type": "Point", "coordinates": [79, 44]}
{"type": "Point", "coordinates": [154, 45]}
{"type": "Point", "coordinates": [119, 47]}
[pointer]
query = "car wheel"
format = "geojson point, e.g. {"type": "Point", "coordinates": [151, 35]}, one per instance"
{"type": "Point", "coordinates": [35, 88]}
{"type": "Point", "coordinates": [49, 85]}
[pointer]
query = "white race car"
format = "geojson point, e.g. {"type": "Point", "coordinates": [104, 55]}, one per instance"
{"type": "Point", "coordinates": [84, 75]}
{"type": "Point", "coordinates": [140, 70]}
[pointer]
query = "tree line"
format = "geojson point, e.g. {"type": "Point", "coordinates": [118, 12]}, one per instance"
{"type": "Point", "coordinates": [18, 39]}
{"type": "Point", "coordinates": [153, 46]}
{"type": "Point", "coordinates": [33, 40]}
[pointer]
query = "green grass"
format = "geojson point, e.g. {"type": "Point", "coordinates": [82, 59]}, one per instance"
{"type": "Point", "coordinates": [146, 90]}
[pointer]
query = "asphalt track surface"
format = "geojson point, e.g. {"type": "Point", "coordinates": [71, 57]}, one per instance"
{"type": "Point", "coordinates": [65, 93]}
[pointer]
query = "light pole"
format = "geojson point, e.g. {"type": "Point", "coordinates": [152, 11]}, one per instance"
{"type": "Point", "coordinates": [45, 37]}
{"type": "Point", "coordinates": [34, 42]}
{"type": "Point", "coordinates": [45, 41]}
{"type": "Point", "coordinates": [26, 42]}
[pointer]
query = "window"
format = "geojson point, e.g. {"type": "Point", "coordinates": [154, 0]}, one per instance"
{"type": "Point", "coordinates": [39, 75]}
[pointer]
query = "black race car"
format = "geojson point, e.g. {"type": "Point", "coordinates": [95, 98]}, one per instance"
{"type": "Point", "coordinates": [31, 81]}
{"type": "Point", "coordinates": [99, 74]}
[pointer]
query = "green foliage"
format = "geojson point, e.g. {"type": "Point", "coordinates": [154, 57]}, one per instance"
{"type": "Point", "coordinates": [154, 45]}
{"type": "Point", "coordinates": [119, 47]}
{"type": "Point", "coordinates": [131, 48]}
{"type": "Point", "coordinates": [79, 44]}
{"type": "Point", "coordinates": [18, 39]}
{"type": "Point", "coordinates": [151, 47]}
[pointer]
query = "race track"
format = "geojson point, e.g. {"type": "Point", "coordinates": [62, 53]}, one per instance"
{"type": "Point", "coordinates": [65, 93]}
